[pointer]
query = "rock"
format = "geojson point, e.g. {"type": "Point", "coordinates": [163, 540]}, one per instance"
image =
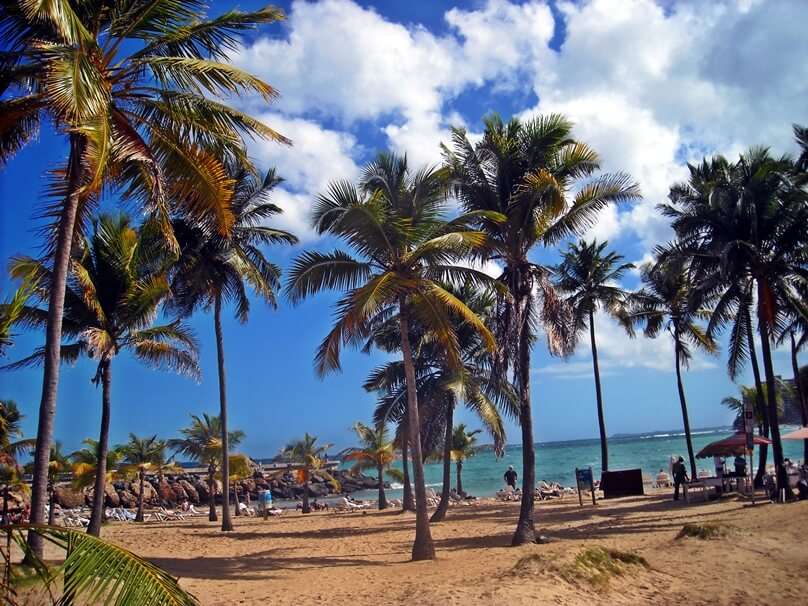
{"type": "Point", "coordinates": [190, 491]}
{"type": "Point", "coordinates": [111, 496]}
{"type": "Point", "coordinates": [149, 494]}
{"type": "Point", "coordinates": [68, 498]}
{"type": "Point", "coordinates": [128, 500]}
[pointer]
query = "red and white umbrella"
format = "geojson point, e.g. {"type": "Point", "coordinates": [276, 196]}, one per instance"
{"type": "Point", "coordinates": [800, 434]}
{"type": "Point", "coordinates": [733, 445]}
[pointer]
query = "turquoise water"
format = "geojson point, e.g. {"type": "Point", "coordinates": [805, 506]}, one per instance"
{"type": "Point", "coordinates": [556, 461]}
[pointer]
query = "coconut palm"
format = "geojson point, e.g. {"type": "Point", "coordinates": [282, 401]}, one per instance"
{"type": "Point", "coordinates": [215, 270]}
{"type": "Point", "coordinates": [137, 90]}
{"type": "Point", "coordinates": [377, 452]}
{"type": "Point", "coordinates": [750, 394]}
{"type": "Point", "coordinates": [752, 238]}
{"type": "Point", "coordinates": [85, 468]}
{"type": "Point", "coordinates": [12, 309]}
{"type": "Point", "coordinates": [308, 458]}
{"type": "Point", "coordinates": [464, 445]}
{"type": "Point", "coordinates": [202, 443]}
{"type": "Point", "coordinates": [58, 464]}
{"type": "Point", "coordinates": [139, 456]}
{"type": "Point", "coordinates": [113, 295]}
{"type": "Point", "coordinates": [588, 277]}
{"type": "Point", "coordinates": [11, 449]}
{"type": "Point", "coordinates": [241, 467]}
{"type": "Point", "coordinates": [527, 172]}
{"type": "Point", "coordinates": [667, 302]}
{"type": "Point", "coordinates": [442, 388]}
{"type": "Point", "coordinates": [393, 220]}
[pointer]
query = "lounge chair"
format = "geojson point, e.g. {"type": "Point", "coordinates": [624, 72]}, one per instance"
{"type": "Point", "coordinates": [508, 494]}
{"type": "Point", "coordinates": [164, 515]}
{"type": "Point", "coordinates": [248, 511]}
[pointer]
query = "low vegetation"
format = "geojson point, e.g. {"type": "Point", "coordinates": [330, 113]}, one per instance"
{"type": "Point", "coordinates": [709, 530]}
{"type": "Point", "coordinates": [598, 565]}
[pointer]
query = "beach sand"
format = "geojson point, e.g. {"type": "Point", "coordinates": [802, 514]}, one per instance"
{"type": "Point", "coordinates": [363, 559]}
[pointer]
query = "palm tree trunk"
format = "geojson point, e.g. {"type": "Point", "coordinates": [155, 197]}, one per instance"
{"type": "Point", "coordinates": [604, 448]}
{"type": "Point", "coordinates": [306, 508]}
{"type": "Point", "coordinates": [423, 547]}
{"type": "Point", "coordinates": [525, 527]}
{"type": "Point", "coordinates": [227, 523]}
{"type": "Point", "coordinates": [142, 477]}
{"type": "Point", "coordinates": [440, 513]}
{"type": "Point", "coordinates": [795, 368]}
{"type": "Point", "coordinates": [685, 419]}
{"type": "Point", "coordinates": [382, 496]}
{"type": "Point", "coordinates": [53, 342]}
{"type": "Point", "coordinates": [459, 476]}
{"type": "Point", "coordinates": [763, 451]}
{"type": "Point", "coordinates": [235, 498]}
{"type": "Point", "coordinates": [212, 515]}
{"type": "Point", "coordinates": [407, 500]}
{"type": "Point", "coordinates": [771, 394]}
{"type": "Point", "coordinates": [99, 493]}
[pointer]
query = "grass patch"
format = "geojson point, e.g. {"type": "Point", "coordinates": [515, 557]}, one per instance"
{"type": "Point", "coordinates": [597, 565]}
{"type": "Point", "coordinates": [710, 530]}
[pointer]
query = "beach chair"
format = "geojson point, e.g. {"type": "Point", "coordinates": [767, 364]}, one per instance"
{"type": "Point", "coordinates": [164, 515]}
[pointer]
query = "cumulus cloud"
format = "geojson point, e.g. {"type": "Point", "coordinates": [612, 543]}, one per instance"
{"type": "Point", "coordinates": [649, 84]}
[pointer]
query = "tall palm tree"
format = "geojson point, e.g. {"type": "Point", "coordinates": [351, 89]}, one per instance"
{"type": "Point", "coordinates": [750, 242]}
{"type": "Point", "coordinates": [393, 220]}
{"type": "Point", "coordinates": [139, 456]}
{"type": "Point", "coordinates": [113, 295]}
{"type": "Point", "coordinates": [214, 270]}
{"type": "Point", "coordinates": [308, 459]}
{"type": "Point", "coordinates": [137, 90]}
{"type": "Point", "coordinates": [202, 443]}
{"type": "Point", "coordinates": [667, 302]}
{"type": "Point", "coordinates": [588, 278]}
{"type": "Point", "coordinates": [527, 171]}
{"type": "Point", "coordinates": [464, 445]}
{"type": "Point", "coordinates": [377, 452]}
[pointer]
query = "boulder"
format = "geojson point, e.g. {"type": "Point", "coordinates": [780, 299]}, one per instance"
{"type": "Point", "coordinates": [179, 493]}
{"type": "Point", "coordinates": [68, 498]}
{"type": "Point", "coordinates": [111, 496]}
{"type": "Point", "coordinates": [128, 500]}
{"type": "Point", "coordinates": [190, 491]}
{"type": "Point", "coordinates": [149, 494]}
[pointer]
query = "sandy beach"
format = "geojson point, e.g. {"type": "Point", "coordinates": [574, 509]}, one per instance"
{"type": "Point", "coordinates": [363, 558]}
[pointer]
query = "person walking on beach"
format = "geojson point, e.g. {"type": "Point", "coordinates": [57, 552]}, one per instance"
{"type": "Point", "coordinates": [510, 476]}
{"type": "Point", "coordinates": [679, 476]}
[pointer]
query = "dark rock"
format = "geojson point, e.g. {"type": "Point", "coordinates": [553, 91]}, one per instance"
{"type": "Point", "coordinates": [190, 491]}
{"type": "Point", "coordinates": [68, 498]}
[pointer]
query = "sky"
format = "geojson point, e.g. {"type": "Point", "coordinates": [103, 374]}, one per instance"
{"type": "Point", "coordinates": [649, 85]}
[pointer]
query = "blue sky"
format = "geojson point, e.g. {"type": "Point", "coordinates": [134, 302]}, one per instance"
{"type": "Point", "coordinates": [650, 85]}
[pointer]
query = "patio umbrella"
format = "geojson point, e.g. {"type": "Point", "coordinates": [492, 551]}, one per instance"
{"type": "Point", "coordinates": [800, 434]}
{"type": "Point", "coordinates": [733, 445]}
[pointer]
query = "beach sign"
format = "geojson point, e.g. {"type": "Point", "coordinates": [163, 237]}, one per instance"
{"type": "Point", "coordinates": [583, 478]}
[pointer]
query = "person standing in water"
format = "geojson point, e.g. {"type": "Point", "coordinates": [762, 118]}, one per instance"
{"type": "Point", "coordinates": [510, 476]}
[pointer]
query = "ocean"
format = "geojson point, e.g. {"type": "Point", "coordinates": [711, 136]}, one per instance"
{"type": "Point", "coordinates": [556, 461]}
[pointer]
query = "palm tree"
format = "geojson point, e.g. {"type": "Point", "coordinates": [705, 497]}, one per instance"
{"type": "Point", "coordinates": [138, 456]}
{"type": "Point", "coordinates": [440, 387]}
{"type": "Point", "coordinates": [377, 452]}
{"type": "Point", "coordinates": [214, 270]}
{"type": "Point", "coordinates": [58, 464]}
{"type": "Point", "coordinates": [202, 442]}
{"type": "Point", "coordinates": [86, 465]}
{"type": "Point", "coordinates": [750, 241]}
{"type": "Point", "coordinates": [12, 309]}
{"type": "Point", "coordinates": [393, 220]}
{"type": "Point", "coordinates": [112, 299]}
{"type": "Point", "coordinates": [527, 171]}
{"type": "Point", "coordinates": [309, 459]}
{"type": "Point", "coordinates": [588, 277]}
{"type": "Point", "coordinates": [241, 467]}
{"type": "Point", "coordinates": [137, 88]}
{"type": "Point", "coordinates": [667, 301]}
{"type": "Point", "coordinates": [749, 394]}
{"type": "Point", "coordinates": [464, 445]}
{"type": "Point", "coordinates": [11, 471]}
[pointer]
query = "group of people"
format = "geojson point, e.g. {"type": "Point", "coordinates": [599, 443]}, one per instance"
{"type": "Point", "coordinates": [543, 490]}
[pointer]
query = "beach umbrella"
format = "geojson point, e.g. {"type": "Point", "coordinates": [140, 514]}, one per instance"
{"type": "Point", "coordinates": [733, 445]}
{"type": "Point", "coordinates": [799, 434]}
